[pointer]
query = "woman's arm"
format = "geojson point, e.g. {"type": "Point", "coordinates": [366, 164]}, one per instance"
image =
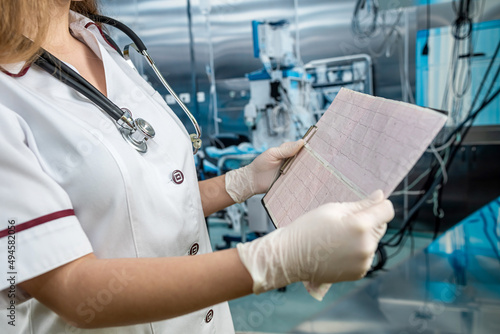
{"type": "Point", "coordinates": [94, 293]}
{"type": "Point", "coordinates": [214, 196]}
{"type": "Point", "coordinates": [245, 182]}
{"type": "Point", "coordinates": [334, 242]}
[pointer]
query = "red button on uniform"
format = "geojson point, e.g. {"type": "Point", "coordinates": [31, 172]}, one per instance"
{"type": "Point", "coordinates": [177, 176]}
{"type": "Point", "coordinates": [209, 317]}
{"type": "Point", "coordinates": [194, 249]}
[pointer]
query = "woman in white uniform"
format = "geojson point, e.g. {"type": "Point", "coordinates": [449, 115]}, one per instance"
{"type": "Point", "coordinates": [113, 241]}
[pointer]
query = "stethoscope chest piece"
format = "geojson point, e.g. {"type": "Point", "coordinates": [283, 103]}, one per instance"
{"type": "Point", "coordinates": [138, 134]}
{"type": "Point", "coordinates": [135, 132]}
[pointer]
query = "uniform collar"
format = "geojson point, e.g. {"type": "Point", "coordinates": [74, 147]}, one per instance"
{"type": "Point", "coordinates": [76, 22]}
{"type": "Point", "coordinates": [15, 70]}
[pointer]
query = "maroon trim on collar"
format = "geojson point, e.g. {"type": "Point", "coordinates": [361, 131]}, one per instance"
{"type": "Point", "coordinates": [16, 75]}
{"type": "Point", "coordinates": [102, 34]}
{"type": "Point", "coordinates": [38, 221]}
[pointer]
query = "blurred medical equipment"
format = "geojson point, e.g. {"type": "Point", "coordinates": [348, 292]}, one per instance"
{"type": "Point", "coordinates": [135, 132]}
{"type": "Point", "coordinates": [225, 152]}
{"type": "Point", "coordinates": [281, 107]}
{"type": "Point", "coordinates": [329, 75]}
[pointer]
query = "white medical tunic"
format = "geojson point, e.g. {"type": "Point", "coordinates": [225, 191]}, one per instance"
{"type": "Point", "coordinates": [71, 185]}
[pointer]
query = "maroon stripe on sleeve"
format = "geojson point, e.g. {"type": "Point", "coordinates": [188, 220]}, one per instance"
{"type": "Point", "coordinates": [39, 221]}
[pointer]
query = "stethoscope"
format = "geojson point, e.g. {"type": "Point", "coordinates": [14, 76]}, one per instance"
{"type": "Point", "coordinates": [135, 131]}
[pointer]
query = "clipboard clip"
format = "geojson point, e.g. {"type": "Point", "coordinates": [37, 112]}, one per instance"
{"type": "Point", "coordinates": [288, 162]}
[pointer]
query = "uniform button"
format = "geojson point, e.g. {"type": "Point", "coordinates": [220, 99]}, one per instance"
{"type": "Point", "coordinates": [177, 176]}
{"type": "Point", "coordinates": [194, 249]}
{"type": "Point", "coordinates": [209, 316]}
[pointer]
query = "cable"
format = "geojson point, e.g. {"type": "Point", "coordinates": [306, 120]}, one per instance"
{"type": "Point", "coordinates": [404, 77]}
{"type": "Point", "coordinates": [380, 260]}
{"type": "Point", "coordinates": [407, 192]}
{"type": "Point", "coordinates": [393, 30]}
{"type": "Point", "coordinates": [369, 31]}
{"type": "Point", "coordinates": [460, 66]}
{"type": "Point", "coordinates": [438, 211]}
{"type": "Point", "coordinates": [465, 69]}
{"type": "Point", "coordinates": [462, 27]}
{"type": "Point", "coordinates": [356, 25]}
{"type": "Point", "coordinates": [443, 146]}
{"type": "Point", "coordinates": [297, 33]}
{"type": "Point", "coordinates": [478, 93]}
{"type": "Point", "coordinates": [477, 10]}
{"type": "Point", "coordinates": [417, 180]}
{"type": "Point", "coordinates": [436, 181]}
{"type": "Point", "coordinates": [425, 50]}
{"type": "Point", "coordinates": [400, 248]}
{"type": "Point", "coordinates": [441, 163]}
{"type": "Point", "coordinates": [460, 69]}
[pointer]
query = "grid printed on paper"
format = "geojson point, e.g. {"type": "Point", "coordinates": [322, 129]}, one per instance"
{"type": "Point", "coordinates": [368, 143]}
{"type": "Point", "coordinates": [304, 187]}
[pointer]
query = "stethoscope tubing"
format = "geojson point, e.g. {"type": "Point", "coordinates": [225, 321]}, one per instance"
{"type": "Point", "coordinates": [122, 27]}
{"type": "Point", "coordinates": [140, 47]}
{"type": "Point", "coordinates": [65, 74]}
{"type": "Point", "coordinates": [55, 67]}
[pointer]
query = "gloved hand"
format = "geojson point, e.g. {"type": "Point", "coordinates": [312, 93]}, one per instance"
{"type": "Point", "coordinates": [332, 243]}
{"type": "Point", "coordinates": [257, 177]}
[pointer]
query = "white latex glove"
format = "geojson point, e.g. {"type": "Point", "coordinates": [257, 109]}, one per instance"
{"type": "Point", "coordinates": [332, 243]}
{"type": "Point", "coordinates": [257, 177]}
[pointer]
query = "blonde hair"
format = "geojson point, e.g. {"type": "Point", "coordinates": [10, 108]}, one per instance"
{"type": "Point", "coordinates": [20, 18]}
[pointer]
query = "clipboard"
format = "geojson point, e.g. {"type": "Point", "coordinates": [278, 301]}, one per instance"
{"type": "Point", "coordinates": [336, 148]}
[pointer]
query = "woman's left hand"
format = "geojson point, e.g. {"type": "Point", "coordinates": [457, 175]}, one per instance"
{"type": "Point", "coordinates": [257, 177]}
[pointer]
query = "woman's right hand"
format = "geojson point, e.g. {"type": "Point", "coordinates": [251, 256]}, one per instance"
{"type": "Point", "coordinates": [332, 243]}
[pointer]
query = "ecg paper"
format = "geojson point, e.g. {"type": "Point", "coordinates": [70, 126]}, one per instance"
{"type": "Point", "coordinates": [362, 143]}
